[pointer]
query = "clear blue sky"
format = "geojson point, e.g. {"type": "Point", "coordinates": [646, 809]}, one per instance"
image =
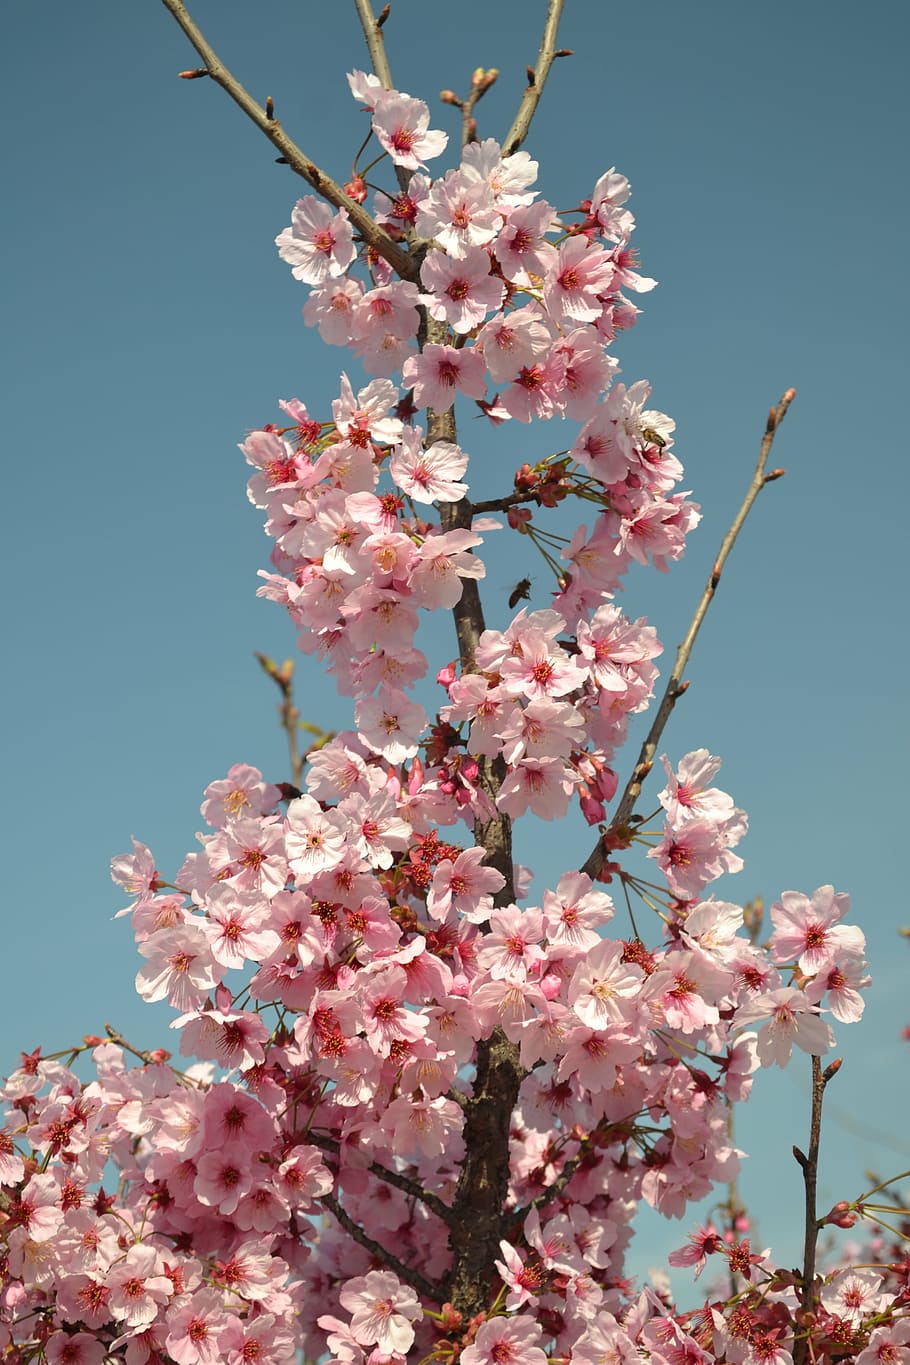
{"type": "Point", "coordinates": [148, 324]}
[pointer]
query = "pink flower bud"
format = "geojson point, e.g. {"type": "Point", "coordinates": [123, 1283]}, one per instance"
{"type": "Point", "coordinates": [356, 189]}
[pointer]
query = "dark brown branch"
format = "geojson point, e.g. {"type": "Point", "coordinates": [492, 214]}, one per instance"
{"type": "Point", "coordinates": [297, 159]}
{"type": "Point", "coordinates": [400, 1181]}
{"type": "Point", "coordinates": [382, 1255]}
{"type": "Point", "coordinates": [808, 1163]}
{"type": "Point", "coordinates": [483, 1183]}
{"type": "Point", "coordinates": [503, 504]}
{"type": "Point", "coordinates": [536, 80]}
{"type": "Point", "coordinates": [475, 1218]}
{"type": "Point", "coordinates": [675, 686]}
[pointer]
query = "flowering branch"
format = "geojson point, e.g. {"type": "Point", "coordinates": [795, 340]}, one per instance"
{"type": "Point", "coordinates": [396, 1178]}
{"type": "Point", "coordinates": [297, 159]}
{"type": "Point", "coordinates": [382, 1254]}
{"type": "Point", "coordinates": [476, 1227]}
{"type": "Point", "coordinates": [372, 32]}
{"type": "Point", "coordinates": [395, 955]}
{"type": "Point", "coordinates": [536, 80]}
{"type": "Point", "coordinates": [675, 686]}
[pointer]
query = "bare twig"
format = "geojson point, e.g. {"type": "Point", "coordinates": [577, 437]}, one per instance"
{"type": "Point", "coordinates": [283, 678]}
{"type": "Point", "coordinates": [117, 1037]}
{"type": "Point", "coordinates": [536, 79]}
{"type": "Point", "coordinates": [372, 32]}
{"type": "Point", "coordinates": [675, 686]}
{"type": "Point", "coordinates": [297, 159]}
{"type": "Point", "coordinates": [808, 1163]}
{"type": "Point", "coordinates": [382, 1255]}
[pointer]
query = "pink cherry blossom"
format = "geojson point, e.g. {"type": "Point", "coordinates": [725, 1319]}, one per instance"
{"type": "Point", "coordinates": [431, 473]}
{"type": "Point", "coordinates": [439, 372]}
{"type": "Point", "coordinates": [401, 125]}
{"type": "Point", "coordinates": [195, 1324]}
{"type": "Point", "coordinates": [462, 290]}
{"type": "Point", "coordinates": [181, 966]}
{"type": "Point", "coordinates": [460, 213]}
{"type": "Point", "coordinates": [809, 930]}
{"type": "Point", "coordinates": [603, 986]}
{"type": "Point", "coordinates": [319, 243]}
{"type": "Point", "coordinates": [506, 1341]}
{"type": "Point", "coordinates": [792, 1019]}
{"type": "Point", "coordinates": [382, 1310]}
{"type": "Point", "coordinates": [137, 1287]}
{"type": "Point", "coordinates": [390, 724]}
{"type": "Point", "coordinates": [854, 1295]}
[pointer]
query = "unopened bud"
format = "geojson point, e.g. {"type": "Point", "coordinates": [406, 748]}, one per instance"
{"type": "Point", "coordinates": [841, 1215]}
{"type": "Point", "coordinates": [269, 107]}
{"type": "Point", "coordinates": [482, 80]}
{"type": "Point", "coordinates": [356, 189]}
{"type": "Point", "coordinates": [450, 1319]}
{"type": "Point", "coordinates": [194, 74]}
{"type": "Point", "coordinates": [449, 97]}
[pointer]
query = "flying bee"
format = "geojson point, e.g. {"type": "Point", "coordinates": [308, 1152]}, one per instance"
{"type": "Point", "coordinates": [521, 592]}
{"type": "Point", "coordinates": [653, 437]}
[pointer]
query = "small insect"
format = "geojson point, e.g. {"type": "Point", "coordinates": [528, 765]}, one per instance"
{"type": "Point", "coordinates": [521, 592]}
{"type": "Point", "coordinates": [653, 437]}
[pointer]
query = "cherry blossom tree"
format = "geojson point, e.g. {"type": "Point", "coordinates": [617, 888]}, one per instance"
{"type": "Point", "coordinates": [418, 1114]}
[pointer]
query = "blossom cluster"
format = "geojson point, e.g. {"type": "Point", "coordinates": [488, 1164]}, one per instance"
{"type": "Point", "coordinates": [532, 316]}
{"type": "Point", "coordinates": [382, 962]}
{"type": "Point", "coordinates": [339, 955]}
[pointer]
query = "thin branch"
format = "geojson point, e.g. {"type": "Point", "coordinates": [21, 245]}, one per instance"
{"type": "Point", "coordinates": [675, 686]}
{"type": "Point", "coordinates": [503, 504]}
{"type": "Point", "coordinates": [396, 1178]}
{"type": "Point", "coordinates": [288, 713]}
{"type": "Point", "coordinates": [323, 184]}
{"type": "Point", "coordinates": [809, 1165]}
{"type": "Point", "coordinates": [117, 1037]}
{"type": "Point", "coordinates": [384, 1256]}
{"type": "Point", "coordinates": [536, 79]}
{"type": "Point", "coordinates": [372, 32]}
{"type": "Point", "coordinates": [518, 1216]}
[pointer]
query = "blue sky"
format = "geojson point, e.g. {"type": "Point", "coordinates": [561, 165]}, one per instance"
{"type": "Point", "coordinates": [149, 325]}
